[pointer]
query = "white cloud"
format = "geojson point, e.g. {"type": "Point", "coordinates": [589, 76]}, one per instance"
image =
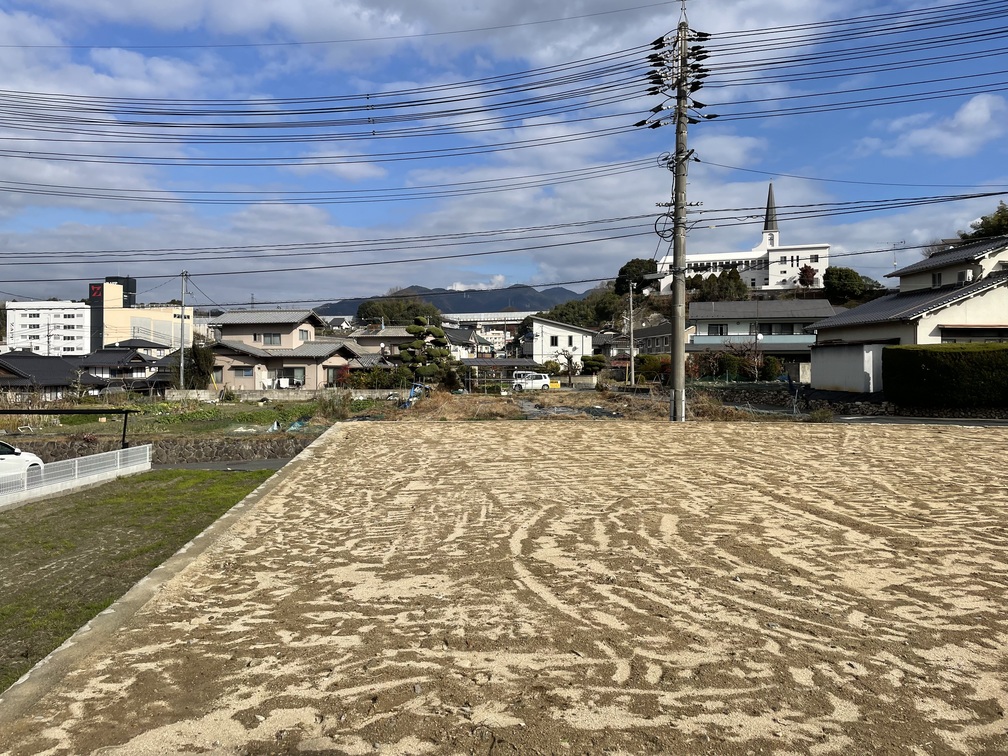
{"type": "Point", "coordinates": [495, 282]}
{"type": "Point", "coordinates": [978, 122]}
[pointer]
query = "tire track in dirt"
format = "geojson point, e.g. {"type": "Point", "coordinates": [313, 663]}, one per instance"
{"type": "Point", "coordinates": [637, 587]}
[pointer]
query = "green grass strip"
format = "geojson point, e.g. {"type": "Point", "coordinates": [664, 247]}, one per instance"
{"type": "Point", "coordinates": [64, 560]}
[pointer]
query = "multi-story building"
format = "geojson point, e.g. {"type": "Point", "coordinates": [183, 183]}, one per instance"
{"type": "Point", "coordinates": [50, 329]}
{"type": "Point", "coordinates": [116, 317]}
{"type": "Point", "coordinates": [110, 316]}
{"type": "Point", "coordinates": [769, 266]}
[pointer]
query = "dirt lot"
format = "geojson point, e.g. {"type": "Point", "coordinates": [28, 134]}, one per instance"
{"type": "Point", "coordinates": [576, 587]}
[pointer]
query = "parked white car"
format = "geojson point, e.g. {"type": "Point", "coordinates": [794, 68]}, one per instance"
{"type": "Point", "coordinates": [531, 381]}
{"type": "Point", "coordinates": [13, 461]}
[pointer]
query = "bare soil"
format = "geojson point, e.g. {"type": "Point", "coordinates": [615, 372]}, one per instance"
{"type": "Point", "coordinates": [577, 587]}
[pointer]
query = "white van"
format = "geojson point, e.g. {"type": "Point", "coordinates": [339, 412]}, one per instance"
{"type": "Point", "coordinates": [530, 381]}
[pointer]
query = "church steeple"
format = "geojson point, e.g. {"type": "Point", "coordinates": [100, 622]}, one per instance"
{"type": "Point", "coordinates": [770, 222]}
{"type": "Point", "coordinates": [771, 234]}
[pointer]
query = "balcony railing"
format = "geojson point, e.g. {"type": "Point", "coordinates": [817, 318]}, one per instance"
{"type": "Point", "coordinates": [766, 341]}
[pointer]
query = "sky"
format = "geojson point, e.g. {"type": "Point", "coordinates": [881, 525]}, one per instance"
{"type": "Point", "coordinates": [288, 153]}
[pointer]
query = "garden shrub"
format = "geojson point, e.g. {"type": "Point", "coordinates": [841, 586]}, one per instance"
{"type": "Point", "coordinates": [946, 375]}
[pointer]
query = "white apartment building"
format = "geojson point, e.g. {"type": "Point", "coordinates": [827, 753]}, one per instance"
{"type": "Point", "coordinates": [50, 329]}
{"type": "Point", "coordinates": [769, 266]}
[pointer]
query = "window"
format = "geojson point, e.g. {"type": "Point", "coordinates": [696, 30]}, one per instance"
{"type": "Point", "coordinates": [936, 280]}
{"type": "Point", "coordinates": [271, 339]}
{"type": "Point", "coordinates": [752, 282]}
{"type": "Point", "coordinates": [294, 375]}
{"type": "Point", "coordinates": [783, 260]}
{"type": "Point", "coordinates": [303, 334]}
{"type": "Point", "coordinates": [33, 315]}
{"type": "Point", "coordinates": [242, 371]}
{"type": "Point", "coordinates": [717, 329]}
{"type": "Point", "coordinates": [69, 315]}
{"type": "Point", "coordinates": [770, 240]}
{"type": "Point", "coordinates": [34, 325]}
{"type": "Point", "coordinates": [554, 341]}
{"type": "Point", "coordinates": [218, 374]}
{"type": "Point", "coordinates": [256, 337]}
{"type": "Point", "coordinates": [813, 258]}
{"type": "Point", "coordinates": [787, 329]}
{"type": "Point", "coordinates": [34, 338]}
{"type": "Point", "coordinates": [570, 341]}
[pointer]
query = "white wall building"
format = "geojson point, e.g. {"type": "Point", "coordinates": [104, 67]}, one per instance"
{"type": "Point", "coordinates": [769, 266]}
{"type": "Point", "coordinates": [548, 340]}
{"type": "Point", "coordinates": [957, 295]}
{"type": "Point", "coordinates": [50, 329]}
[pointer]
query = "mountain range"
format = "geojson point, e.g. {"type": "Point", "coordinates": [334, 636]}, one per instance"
{"type": "Point", "coordinates": [516, 298]}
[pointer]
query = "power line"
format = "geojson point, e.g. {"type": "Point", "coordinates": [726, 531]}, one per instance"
{"type": "Point", "coordinates": [304, 43]}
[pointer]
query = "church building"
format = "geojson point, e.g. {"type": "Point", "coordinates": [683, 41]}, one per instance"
{"type": "Point", "coordinates": [769, 266]}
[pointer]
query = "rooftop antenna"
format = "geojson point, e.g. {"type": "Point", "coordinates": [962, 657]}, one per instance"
{"type": "Point", "coordinates": [894, 246]}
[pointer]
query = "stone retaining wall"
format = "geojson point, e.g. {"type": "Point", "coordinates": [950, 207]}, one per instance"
{"type": "Point", "coordinates": [173, 451]}
{"type": "Point", "coordinates": [776, 395]}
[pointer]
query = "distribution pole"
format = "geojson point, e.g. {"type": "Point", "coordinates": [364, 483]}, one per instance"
{"type": "Point", "coordinates": [679, 231]}
{"type": "Point", "coordinates": [633, 377]}
{"type": "Point", "coordinates": [182, 335]}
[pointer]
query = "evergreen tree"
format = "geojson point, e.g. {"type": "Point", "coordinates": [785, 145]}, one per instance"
{"type": "Point", "coordinates": [632, 275]}
{"type": "Point", "coordinates": [995, 224]}
{"type": "Point", "coordinates": [842, 284]}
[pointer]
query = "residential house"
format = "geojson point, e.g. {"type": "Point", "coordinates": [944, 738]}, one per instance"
{"type": "Point", "coordinates": [958, 294]}
{"type": "Point", "coordinates": [265, 349]}
{"type": "Point", "coordinates": [25, 375]}
{"type": "Point", "coordinates": [549, 340]}
{"type": "Point", "coordinates": [381, 338]}
{"type": "Point", "coordinates": [773, 327]}
{"type": "Point", "coordinates": [611, 344]}
{"type": "Point", "coordinates": [145, 347]}
{"type": "Point", "coordinates": [769, 266]}
{"type": "Point", "coordinates": [341, 322]}
{"type": "Point", "coordinates": [125, 367]}
{"type": "Point", "coordinates": [466, 343]}
{"type": "Point", "coordinates": [498, 328]}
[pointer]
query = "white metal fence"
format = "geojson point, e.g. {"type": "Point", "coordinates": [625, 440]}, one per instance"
{"type": "Point", "coordinates": [68, 474]}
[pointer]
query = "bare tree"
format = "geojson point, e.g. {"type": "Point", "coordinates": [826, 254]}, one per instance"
{"type": "Point", "coordinates": [935, 246]}
{"type": "Point", "coordinates": [749, 354]}
{"type": "Point", "coordinates": [567, 356]}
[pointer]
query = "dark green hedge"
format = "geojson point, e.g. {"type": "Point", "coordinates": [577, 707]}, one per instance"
{"type": "Point", "coordinates": [946, 375]}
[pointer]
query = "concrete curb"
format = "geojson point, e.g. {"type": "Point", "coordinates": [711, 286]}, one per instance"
{"type": "Point", "coordinates": [49, 671]}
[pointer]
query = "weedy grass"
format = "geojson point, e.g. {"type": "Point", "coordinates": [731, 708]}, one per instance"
{"type": "Point", "coordinates": [64, 560]}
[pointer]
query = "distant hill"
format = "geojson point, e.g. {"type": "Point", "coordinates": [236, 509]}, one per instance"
{"type": "Point", "coordinates": [519, 298]}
